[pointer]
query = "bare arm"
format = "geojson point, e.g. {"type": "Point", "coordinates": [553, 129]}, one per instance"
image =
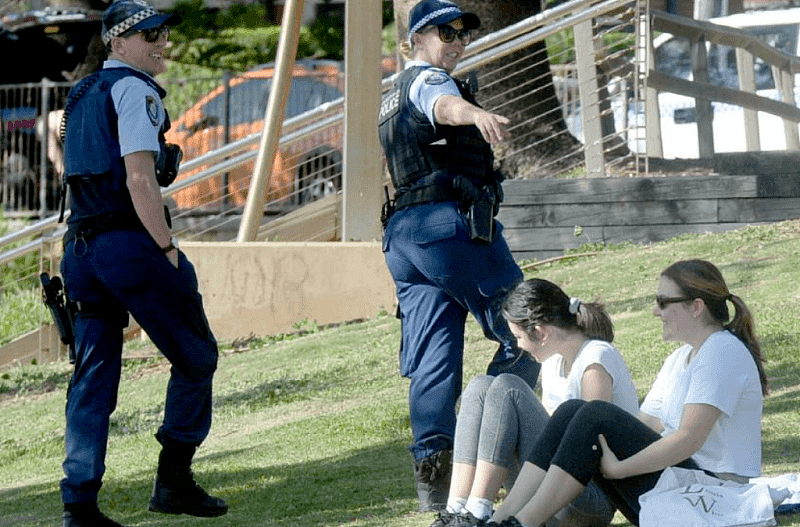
{"type": "Point", "coordinates": [146, 198]}
{"type": "Point", "coordinates": [653, 422]}
{"type": "Point", "coordinates": [696, 423]}
{"type": "Point", "coordinates": [455, 111]}
{"type": "Point", "coordinates": [597, 384]}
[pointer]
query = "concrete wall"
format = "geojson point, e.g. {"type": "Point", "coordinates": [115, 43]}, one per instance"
{"type": "Point", "coordinates": [264, 288]}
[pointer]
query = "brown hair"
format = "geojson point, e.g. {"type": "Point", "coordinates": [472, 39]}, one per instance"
{"type": "Point", "coordinates": [701, 279]}
{"type": "Point", "coordinates": [537, 301]}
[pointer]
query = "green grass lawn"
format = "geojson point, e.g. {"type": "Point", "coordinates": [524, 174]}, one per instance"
{"type": "Point", "coordinates": [312, 430]}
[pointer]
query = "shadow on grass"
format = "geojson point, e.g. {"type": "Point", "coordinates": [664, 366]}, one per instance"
{"type": "Point", "coordinates": [368, 486]}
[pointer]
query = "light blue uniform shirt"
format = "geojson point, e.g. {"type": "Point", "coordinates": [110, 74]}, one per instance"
{"type": "Point", "coordinates": [429, 85]}
{"type": "Point", "coordinates": [140, 112]}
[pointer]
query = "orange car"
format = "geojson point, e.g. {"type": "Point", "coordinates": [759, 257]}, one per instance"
{"type": "Point", "coordinates": [303, 171]}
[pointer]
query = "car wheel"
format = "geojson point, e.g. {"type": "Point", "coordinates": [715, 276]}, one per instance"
{"type": "Point", "coordinates": [318, 176]}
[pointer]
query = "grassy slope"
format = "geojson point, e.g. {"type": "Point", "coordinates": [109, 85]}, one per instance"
{"type": "Point", "coordinates": [313, 430]}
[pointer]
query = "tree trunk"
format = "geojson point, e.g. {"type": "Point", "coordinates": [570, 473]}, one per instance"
{"type": "Point", "coordinates": [520, 87]}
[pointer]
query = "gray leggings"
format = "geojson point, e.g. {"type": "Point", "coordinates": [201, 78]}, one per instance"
{"type": "Point", "coordinates": [499, 422]}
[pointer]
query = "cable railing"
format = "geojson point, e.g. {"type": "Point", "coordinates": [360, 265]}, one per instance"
{"type": "Point", "coordinates": [233, 155]}
{"type": "Point", "coordinates": [206, 200]}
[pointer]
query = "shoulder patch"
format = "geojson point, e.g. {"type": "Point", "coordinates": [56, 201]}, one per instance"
{"type": "Point", "coordinates": [436, 77]}
{"type": "Point", "coordinates": [151, 106]}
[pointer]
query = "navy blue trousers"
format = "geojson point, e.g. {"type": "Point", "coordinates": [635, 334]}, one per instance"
{"type": "Point", "coordinates": [569, 441]}
{"type": "Point", "coordinates": [441, 276]}
{"type": "Point", "coordinates": [113, 273]}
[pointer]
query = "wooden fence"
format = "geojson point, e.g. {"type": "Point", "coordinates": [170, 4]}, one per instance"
{"type": "Point", "coordinates": [784, 68]}
{"type": "Point", "coordinates": [542, 217]}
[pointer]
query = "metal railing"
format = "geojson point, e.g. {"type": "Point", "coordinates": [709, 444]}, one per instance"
{"type": "Point", "coordinates": [218, 209]}
{"type": "Point", "coordinates": [30, 158]}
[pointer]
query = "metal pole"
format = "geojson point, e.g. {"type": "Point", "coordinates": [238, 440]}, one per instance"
{"type": "Point", "coordinates": [287, 49]}
{"type": "Point", "coordinates": [226, 119]}
{"type": "Point", "coordinates": [44, 116]}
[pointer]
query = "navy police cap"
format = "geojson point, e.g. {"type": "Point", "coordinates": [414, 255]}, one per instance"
{"type": "Point", "coordinates": [133, 15]}
{"type": "Point", "coordinates": [436, 13]}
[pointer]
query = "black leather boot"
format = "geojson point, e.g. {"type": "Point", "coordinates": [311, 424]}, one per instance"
{"type": "Point", "coordinates": [86, 515]}
{"type": "Point", "coordinates": [175, 491]}
{"type": "Point", "coordinates": [432, 475]}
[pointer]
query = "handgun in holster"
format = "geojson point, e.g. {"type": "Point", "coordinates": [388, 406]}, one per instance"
{"type": "Point", "coordinates": [388, 207]}
{"type": "Point", "coordinates": [62, 310]}
{"type": "Point", "coordinates": [478, 206]}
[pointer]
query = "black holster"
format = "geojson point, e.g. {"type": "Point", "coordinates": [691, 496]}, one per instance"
{"type": "Point", "coordinates": [478, 204]}
{"type": "Point", "coordinates": [63, 311]}
{"type": "Point", "coordinates": [388, 207]}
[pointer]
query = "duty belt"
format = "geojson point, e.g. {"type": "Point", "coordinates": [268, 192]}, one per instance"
{"type": "Point", "coordinates": [424, 195]}
{"type": "Point", "coordinates": [88, 228]}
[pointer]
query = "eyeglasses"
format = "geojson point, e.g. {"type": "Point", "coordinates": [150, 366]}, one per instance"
{"type": "Point", "coordinates": [664, 301]}
{"type": "Point", "coordinates": [448, 34]}
{"type": "Point", "coordinates": [152, 36]}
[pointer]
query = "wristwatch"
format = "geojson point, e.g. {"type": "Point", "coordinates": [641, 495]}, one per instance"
{"type": "Point", "coordinates": [173, 244]}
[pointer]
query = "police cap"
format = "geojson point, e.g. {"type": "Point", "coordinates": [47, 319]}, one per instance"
{"type": "Point", "coordinates": [133, 15]}
{"type": "Point", "coordinates": [437, 13]}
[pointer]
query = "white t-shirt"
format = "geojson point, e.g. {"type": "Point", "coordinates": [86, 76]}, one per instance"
{"type": "Point", "coordinates": [723, 374]}
{"type": "Point", "coordinates": [558, 387]}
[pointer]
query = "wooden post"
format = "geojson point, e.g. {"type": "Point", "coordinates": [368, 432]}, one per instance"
{"type": "Point", "coordinates": [652, 118]}
{"type": "Point", "coordinates": [587, 89]}
{"type": "Point", "coordinates": [273, 120]}
{"type": "Point", "coordinates": [747, 82]}
{"type": "Point", "coordinates": [703, 108]}
{"type": "Point", "coordinates": [784, 82]}
{"type": "Point", "coordinates": [361, 203]}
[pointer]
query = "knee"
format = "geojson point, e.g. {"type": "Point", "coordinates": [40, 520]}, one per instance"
{"type": "Point", "coordinates": [597, 410]}
{"type": "Point", "coordinates": [201, 365]}
{"type": "Point", "coordinates": [508, 381]}
{"type": "Point", "coordinates": [571, 407]}
{"type": "Point", "coordinates": [477, 387]}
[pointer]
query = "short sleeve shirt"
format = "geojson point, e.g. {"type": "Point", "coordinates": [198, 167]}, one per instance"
{"type": "Point", "coordinates": [428, 86]}
{"type": "Point", "coordinates": [724, 375]}
{"type": "Point", "coordinates": [140, 112]}
{"type": "Point", "coordinates": [557, 386]}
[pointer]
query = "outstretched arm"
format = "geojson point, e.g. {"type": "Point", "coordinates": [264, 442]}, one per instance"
{"type": "Point", "coordinates": [455, 111]}
{"type": "Point", "coordinates": [696, 423]}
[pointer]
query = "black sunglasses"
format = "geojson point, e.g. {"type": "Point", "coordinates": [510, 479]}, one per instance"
{"type": "Point", "coordinates": [448, 34]}
{"type": "Point", "coordinates": [152, 36]}
{"type": "Point", "coordinates": [664, 301]}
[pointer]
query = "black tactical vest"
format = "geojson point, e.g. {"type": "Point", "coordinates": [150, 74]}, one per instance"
{"type": "Point", "coordinates": [94, 168]}
{"type": "Point", "coordinates": [418, 166]}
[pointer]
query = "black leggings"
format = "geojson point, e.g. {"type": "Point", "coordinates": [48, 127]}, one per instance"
{"type": "Point", "coordinates": [569, 441]}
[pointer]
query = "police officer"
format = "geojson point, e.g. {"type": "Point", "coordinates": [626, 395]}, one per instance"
{"type": "Point", "coordinates": [119, 259]}
{"type": "Point", "coordinates": [443, 248]}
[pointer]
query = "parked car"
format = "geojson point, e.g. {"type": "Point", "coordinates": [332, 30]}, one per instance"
{"type": "Point", "coordinates": [303, 171]}
{"type": "Point", "coordinates": [778, 28]}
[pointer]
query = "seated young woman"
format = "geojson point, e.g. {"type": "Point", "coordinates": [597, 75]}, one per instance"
{"type": "Point", "coordinates": [501, 417]}
{"type": "Point", "coordinates": [703, 411]}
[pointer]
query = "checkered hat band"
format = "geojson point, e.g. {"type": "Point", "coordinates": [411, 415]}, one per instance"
{"type": "Point", "coordinates": [419, 25]}
{"type": "Point", "coordinates": [128, 23]}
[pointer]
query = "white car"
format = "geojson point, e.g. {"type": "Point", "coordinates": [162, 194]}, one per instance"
{"type": "Point", "coordinates": [778, 28]}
